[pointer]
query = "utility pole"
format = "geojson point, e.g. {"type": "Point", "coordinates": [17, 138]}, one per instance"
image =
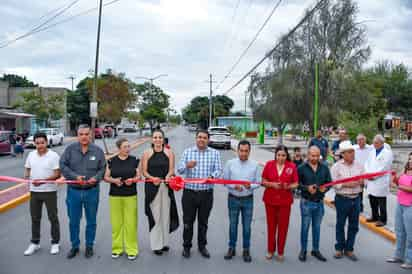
{"type": "Point", "coordinates": [316, 103]}
{"type": "Point", "coordinates": [93, 103]}
{"type": "Point", "coordinates": [210, 100]}
{"type": "Point", "coordinates": [72, 77]}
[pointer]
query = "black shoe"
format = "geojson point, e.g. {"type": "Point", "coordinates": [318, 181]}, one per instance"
{"type": "Point", "coordinates": [89, 252]}
{"type": "Point", "coordinates": [302, 256]}
{"type": "Point", "coordinates": [165, 249]}
{"type": "Point", "coordinates": [230, 253]}
{"type": "Point", "coordinates": [204, 252]}
{"type": "Point", "coordinates": [72, 253]}
{"type": "Point", "coordinates": [370, 220]}
{"type": "Point", "coordinates": [380, 224]}
{"type": "Point", "coordinates": [246, 256]}
{"type": "Point", "coordinates": [186, 253]}
{"type": "Point", "coordinates": [158, 252]}
{"type": "Point", "coordinates": [351, 256]}
{"type": "Point", "coordinates": [318, 256]}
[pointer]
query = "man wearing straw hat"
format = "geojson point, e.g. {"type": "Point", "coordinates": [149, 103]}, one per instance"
{"type": "Point", "coordinates": [347, 201]}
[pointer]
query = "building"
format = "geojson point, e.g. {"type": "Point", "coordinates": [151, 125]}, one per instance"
{"type": "Point", "coordinates": [25, 122]}
{"type": "Point", "coordinates": [242, 123]}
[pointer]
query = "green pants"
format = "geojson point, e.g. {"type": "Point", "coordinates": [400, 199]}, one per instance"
{"type": "Point", "coordinates": [123, 216]}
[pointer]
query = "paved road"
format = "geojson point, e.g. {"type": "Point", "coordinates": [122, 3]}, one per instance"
{"type": "Point", "coordinates": [15, 234]}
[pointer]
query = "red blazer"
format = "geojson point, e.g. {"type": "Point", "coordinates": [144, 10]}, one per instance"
{"type": "Point", "coordinates": [289, 176]}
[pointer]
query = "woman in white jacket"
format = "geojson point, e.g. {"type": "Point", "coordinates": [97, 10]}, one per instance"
{"type": "Point", "coordinates": [380, 159]}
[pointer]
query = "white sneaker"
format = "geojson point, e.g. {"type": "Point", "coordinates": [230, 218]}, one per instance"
{"type": "Point", "coordinates": [131, 257]}
{"type": "Point", "coordinates": [55, 248]}
{"type": "Point", "coordinates": [31, 249]}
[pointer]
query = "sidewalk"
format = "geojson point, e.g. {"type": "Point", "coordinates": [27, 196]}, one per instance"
{"type": "Point", "coordinates": [263, 153]}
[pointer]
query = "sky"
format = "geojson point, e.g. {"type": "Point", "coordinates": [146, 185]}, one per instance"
{"type": "Point", "coordinates": [186, 39]}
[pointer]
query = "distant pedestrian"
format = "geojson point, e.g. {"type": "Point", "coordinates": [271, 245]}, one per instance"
{"type": "Point", "coordinates": [343, 136]}
{"type": "Point", "coordinates": [380, 159]}
{"type": "Point", "coordinates": [297, 156]}
{"type": "Point", "coordinates": [43, 164]}
{"type": "Point", "coordinates": [19, 147]}
{"type": "Point", "coordinates": [403, 219]}
{"type": "Point", "coordinates": [322, 144]}
{"type": "Point", "coordinates": [123, 201]}
{"type": "Point", "coordinates": [12, 141]}
{"type": "Point", "coordinates": [83, 161]}
{"type": "Point", "coordinates": [280, 178]}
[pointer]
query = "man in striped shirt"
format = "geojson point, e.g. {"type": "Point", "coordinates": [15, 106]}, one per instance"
{"type": "Point", "coordinates": [199, 161]}
{"type": "Point", "coordinates": [347, 201]}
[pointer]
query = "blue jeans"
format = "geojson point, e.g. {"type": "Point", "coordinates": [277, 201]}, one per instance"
{"type": "Point", "coordinates": [237, 206]}
{"type": "Point", "coordinates": [403, 229]}
{"type": "Point", "coordinates": [311, 212]}
{"type": "Point", "coordinates": [346, 209]}
{"type": "Point", "coordinates": [76, 200]}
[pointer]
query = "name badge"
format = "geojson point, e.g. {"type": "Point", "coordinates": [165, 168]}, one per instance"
{"type": "Point", "coordinates": [92, 158]}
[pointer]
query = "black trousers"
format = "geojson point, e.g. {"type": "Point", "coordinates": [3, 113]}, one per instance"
{"type": "Point", "coordinates": [36, 205]}
{"type": "Point", "coordinates": [378, 206]}
{"type": "Point", "coordinates": [196, 204]}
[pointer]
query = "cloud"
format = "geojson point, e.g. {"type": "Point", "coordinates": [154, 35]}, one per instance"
{"type": "Point", "coordinates": [185, 39]}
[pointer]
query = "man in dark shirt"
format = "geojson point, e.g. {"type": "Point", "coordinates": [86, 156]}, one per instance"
{"type": "Point", "coordinates": [312, 175]}
{"type": "Point", "coordinates": [343, 136]}
{"type": "Point", "coordinates": [83, 161]}
{"type": "Point", "coordinates": [321, 143]}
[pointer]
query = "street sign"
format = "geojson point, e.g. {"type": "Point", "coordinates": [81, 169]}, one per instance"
{"type": "Point", "coordinates": [93, 109]}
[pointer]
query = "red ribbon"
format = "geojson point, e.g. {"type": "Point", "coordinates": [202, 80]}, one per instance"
{"type": "Point", "coordinates": [177, 183]}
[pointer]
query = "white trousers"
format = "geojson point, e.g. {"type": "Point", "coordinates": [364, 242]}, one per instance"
{"type": "Point", "coordinates": [159, 235]}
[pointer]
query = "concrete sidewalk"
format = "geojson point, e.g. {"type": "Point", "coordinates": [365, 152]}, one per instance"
{"type": "Point", "coordinates": [264, 153]}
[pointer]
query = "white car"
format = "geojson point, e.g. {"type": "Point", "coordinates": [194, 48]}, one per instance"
{"type": "Point", "coordinates": [54, 137]}
{"type": "Point", "coordinates": [219, 136]}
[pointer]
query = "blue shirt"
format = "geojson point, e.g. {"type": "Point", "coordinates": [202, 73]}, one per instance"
{"type": "Point", "coordinates": [208, 164]}
{"type": "Point", "coordinates": [379, 150]}
{"type": "Point", "coordinates": [322, 144]}
{"type": "Point", "coordinates": [236, 169]}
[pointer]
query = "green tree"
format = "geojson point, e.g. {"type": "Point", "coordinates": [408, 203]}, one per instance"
{"type": "Point", "coordinates": [45, 108]}
{"type": "Point", "coordinates": [152, 102]}
{"type": "Point", "coordinates": [78, 105]}
{"type": "Point", "coordinates": [17, 81]}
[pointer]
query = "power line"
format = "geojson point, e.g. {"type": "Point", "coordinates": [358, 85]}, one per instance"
{"type": "Point", "coordinates": [62, 11]}
{"type": "Point", "coordinates": [64, 20]}
{"type": "Point", "coordinates": [284, 38]}
{"type": "Point", "coordinates": [251, 42]}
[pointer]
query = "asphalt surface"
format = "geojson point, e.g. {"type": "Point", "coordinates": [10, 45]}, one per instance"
{"type": "Point", "coordinates": [15, 234]}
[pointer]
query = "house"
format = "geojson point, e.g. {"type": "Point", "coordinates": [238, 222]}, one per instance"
{"type": "Point", "coordinates": [12, 118]}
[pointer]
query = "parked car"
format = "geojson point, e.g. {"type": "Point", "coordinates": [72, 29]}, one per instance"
{"type": "Point", "coordinates": [54, 137]}
{"type": "Point", "coordinates": [98, 133]}
{"type": "Point", "coordinates": [219, 137]}
{"type": "Point", "coordinates": [192, 127]}
{"type": "Point", "coordinates": [5, 146]}
{"type": "Point", "coordinates": [129, 128]}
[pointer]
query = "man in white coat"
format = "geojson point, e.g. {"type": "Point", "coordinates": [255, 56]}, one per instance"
{"type": "Point", "coordinates": [380, 159]}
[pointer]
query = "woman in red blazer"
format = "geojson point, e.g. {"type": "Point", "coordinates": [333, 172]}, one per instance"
{"type": "Point", "coordinates": [279, 177]}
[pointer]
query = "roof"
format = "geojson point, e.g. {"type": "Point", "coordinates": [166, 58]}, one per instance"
{"type": "Point", "coordinates": [17, 114]}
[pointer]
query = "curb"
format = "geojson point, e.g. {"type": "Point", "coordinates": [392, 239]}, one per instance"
{"type": "Point", "coordinates": [382, 231]}
{"type": "Point", "coordinates": [15, 202]}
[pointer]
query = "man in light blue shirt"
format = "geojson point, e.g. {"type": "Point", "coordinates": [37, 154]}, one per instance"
{"type": "Point", "coordinates": [199, 161]}
{"type": "Point", "coordinates": [240, 198]}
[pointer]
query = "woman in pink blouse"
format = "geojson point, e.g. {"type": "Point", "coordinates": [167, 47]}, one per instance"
{"type": "Point", "coordinates": [403, 219]}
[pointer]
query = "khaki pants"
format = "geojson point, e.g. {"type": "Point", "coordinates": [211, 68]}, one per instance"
{"type": "Point", "coordinates": [159, 235]}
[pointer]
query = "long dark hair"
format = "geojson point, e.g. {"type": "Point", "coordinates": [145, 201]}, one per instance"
{"type": "Point", "coordinates": [282, 148]}
{"type": "Point", "coordinates": [161, 132]}
{"type": "Point", "coordinates": [407, 166]}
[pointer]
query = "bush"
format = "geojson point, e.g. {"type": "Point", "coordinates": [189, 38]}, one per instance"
{"type": "Point", "coordinates": [355, 125]}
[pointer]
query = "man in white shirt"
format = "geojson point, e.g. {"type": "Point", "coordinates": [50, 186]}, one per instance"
{"type": "Point", "coordinates": [380, 159]}
{"type": "Point", "coordinates": [362, 151]}
{"type": "Point", "coordinates": [42, 164]}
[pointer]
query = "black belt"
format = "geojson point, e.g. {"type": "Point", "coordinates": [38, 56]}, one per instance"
{"type": "Point", "coordinates": [199, 190]}
{"type": "Point", "coordinates": [241, 197]}
{"type": "Point", "coordinates": [347, 197]}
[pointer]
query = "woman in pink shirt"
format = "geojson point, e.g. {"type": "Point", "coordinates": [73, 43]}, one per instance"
{"type": "Point", "coordinates": [403, 219]}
